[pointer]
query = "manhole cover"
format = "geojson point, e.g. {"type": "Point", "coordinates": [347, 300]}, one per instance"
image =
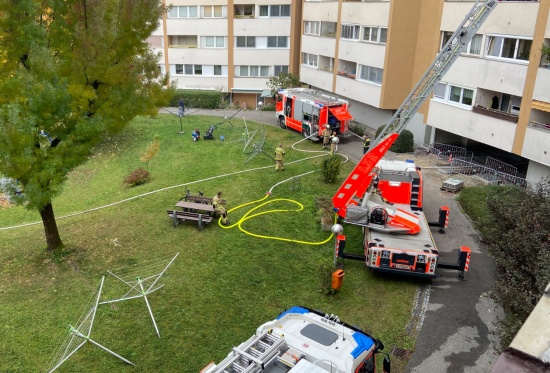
{"type": "Point", "coordinates": [400, 352]}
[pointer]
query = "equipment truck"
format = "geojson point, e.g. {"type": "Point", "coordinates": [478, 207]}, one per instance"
{"type": "Point", "coordinates": [301, 340]}
{"type": "Point", "coordinates": [385, 197]}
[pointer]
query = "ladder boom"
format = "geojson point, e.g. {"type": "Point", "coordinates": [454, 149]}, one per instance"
{"type": "Point", "coordinates": [443, 62]}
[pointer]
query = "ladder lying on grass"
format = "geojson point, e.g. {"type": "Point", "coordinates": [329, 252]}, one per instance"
{"type": "Point", "coordinates": [252, 355]}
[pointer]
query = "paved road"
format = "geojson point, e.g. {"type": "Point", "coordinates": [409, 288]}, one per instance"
{"type": "Point", "coordinates": [452, 318]}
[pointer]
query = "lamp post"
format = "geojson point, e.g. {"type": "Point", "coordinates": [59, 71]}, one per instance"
{"type": "Point", "coordinates": [337, 229]}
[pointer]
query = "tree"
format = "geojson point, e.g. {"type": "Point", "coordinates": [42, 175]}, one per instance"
{"type": "Point", "coordinates": [519, 238]}
{"type": "Point", "coordinates": [151, 151]}
{"type": "Point", "coordinates": [282, 81]}
{"type": "Point", "coordinates": [72, 73]}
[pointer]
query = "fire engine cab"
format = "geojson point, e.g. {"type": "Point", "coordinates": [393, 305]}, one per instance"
{"type": "Point", "coordinates": [309, 111]}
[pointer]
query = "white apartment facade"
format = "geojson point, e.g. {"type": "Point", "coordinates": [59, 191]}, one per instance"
{"type": "Point", "coordinates": [229, 46]}
{"type": "Point", "coordinates": [496, 96]}
{"type": "Point", "coordinates": [372, 52]}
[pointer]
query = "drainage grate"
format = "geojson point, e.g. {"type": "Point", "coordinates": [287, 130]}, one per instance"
{"type": "Point", "coordinates": [400, 352]}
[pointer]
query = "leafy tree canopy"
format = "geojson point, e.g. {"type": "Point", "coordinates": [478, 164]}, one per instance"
{"type": "Point", "coordinates": [72, 72]}
{"type": "Point", "coordinates": [282, 81]}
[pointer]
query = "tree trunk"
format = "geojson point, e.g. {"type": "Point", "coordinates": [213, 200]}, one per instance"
{"type": "Point", "coordinates": [53, 239]}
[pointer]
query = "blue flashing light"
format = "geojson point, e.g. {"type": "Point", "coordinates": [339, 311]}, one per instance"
{"type": "Point", "coordinates": [364, 343]}
{"type": "Point", "coordinates": [295, 309]}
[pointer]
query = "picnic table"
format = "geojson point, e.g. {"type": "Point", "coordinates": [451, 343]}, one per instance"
{"type": "Point", "coordinates": [200, 212]}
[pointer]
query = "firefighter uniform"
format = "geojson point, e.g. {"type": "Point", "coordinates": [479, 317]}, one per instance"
{"type": "Point", "coordinates": [366, 144]}
{"type": "Point", "coordinates": [216, 202]}
{"type": "Point", "coordinates": [279, 158]}
{"type": "Point", "coordinates": [326, 136]}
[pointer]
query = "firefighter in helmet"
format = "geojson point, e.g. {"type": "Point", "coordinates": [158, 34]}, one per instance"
{"type": "Point", "coordinates": [217, 203]}
{"type": "Point", "coordinates": [326, 136]}
{"type": "Point", "coordinates": [366, 144]}
{"type": "Point", "coordinates": [334, 140]}
{"type": "Point", "coordinates": [279, 158]}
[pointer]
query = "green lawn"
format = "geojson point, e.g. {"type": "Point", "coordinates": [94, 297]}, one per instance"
{"type": "Point", "coordinates": [224, 283]}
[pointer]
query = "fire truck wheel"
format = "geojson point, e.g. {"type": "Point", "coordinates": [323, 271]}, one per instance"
{"type": "Point", "coordinates": [282, 122]}
{"type": "Point", "coordinates": [306, 131]}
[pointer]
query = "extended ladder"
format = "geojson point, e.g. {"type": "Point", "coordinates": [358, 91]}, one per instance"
{"type": "Point", "coordinates": [251, 356]}
{"type": "Point", "coordinates": [359, 180]}
{"type": "Point", "coordinates": [443, 62]}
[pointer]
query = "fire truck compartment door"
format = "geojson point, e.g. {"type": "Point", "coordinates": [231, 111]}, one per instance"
{"type": "Point", "coordinates": [341, 113]}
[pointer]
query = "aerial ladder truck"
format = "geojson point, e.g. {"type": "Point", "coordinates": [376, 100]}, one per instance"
{"type": "Point", "coordinates": [385, 197]}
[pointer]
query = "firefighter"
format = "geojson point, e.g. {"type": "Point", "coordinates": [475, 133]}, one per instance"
{"type": "Point", "coordinates": [217, 203]}
{"type": "Point", "coordinates": [366, 144]}
{"type": "Point", "coordinates": [326, 136]}
{"type": "Point", "coordinates": [334, 140]}
{"type": "Point", "coordinates": [279, 158]}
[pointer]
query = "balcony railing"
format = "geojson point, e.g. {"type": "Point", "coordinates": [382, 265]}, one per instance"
{"type": "Point", "coordinates": [542, 126]}
{"type": "Point", "coordinates": [495, 114]}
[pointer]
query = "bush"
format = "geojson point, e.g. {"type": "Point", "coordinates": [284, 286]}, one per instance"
{"type": "Point", "coordinates": [138, 177]}
{"type": "Point", "coordinates": [403, 144]}
{"type": "Point", "coordinates": [357, 128]}
{"type": "Point", "coordinates": [197, 99]}
{"type": "Point", "coordinates": [516, 224]}
{"type": "Point", "coordinates": [330, 168]}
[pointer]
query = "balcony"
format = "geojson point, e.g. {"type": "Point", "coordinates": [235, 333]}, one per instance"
{"type": "Point", "coordinates": [495, 114]}
{"type": "Point", "coordinates": [347, 69]}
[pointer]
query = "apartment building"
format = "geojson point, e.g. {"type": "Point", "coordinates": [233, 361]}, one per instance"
{"type": "Point", "coordinates": [495, 99]}
{"type": "Point", "coordinates": [229, 46]}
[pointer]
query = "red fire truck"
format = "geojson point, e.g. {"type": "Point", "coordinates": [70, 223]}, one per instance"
{"type": "Point", "coordinates": [309, 111]}
{"type": "Point", "coordinates": [385, 198]}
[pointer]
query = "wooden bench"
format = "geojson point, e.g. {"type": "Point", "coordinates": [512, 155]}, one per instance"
{"type": "Point", "coordinates": [181, 216]}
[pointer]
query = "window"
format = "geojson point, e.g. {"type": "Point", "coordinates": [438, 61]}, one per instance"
{"type": "Point", "coordinates": [281, 69]}
{"type": "Point", "coordinates": [213, 41]}
{"type": "Point", "coordinates": [277, 42]}
{"type": "Point", "coordinates": [453, 94]}
{"type": "Point", "coordinates": [439, 90]}
{"type": "Point", "coordinates": [183, 12]}
{"type": "Point", "coordinates": [375, 34]}
{"type": "Point", "coordinates": [350, 32]}
{"type": "Point", "coordinates": [371, 74]}
{"type": "Point", "coordinates": [218, 70]}
{"type": "Point", "coordinates": [370, 34]}
{"type": "Point", "coordinates": [312, 28]}
{"type": "Point", "coordinates": [501, 47]}
{"type": "Point", "coordinates": [274, 10]}
{"type": "Point", "coordinates": [309, 59]}
{"type": "Point", "coordinates": [212, 11]}
{"type": "Point", "coordinates": [246, 42]}
{"type": "Point", "coordinates": [328, 29]}
{"type": "Point", "coordinates": [253, 71]}
{"type": "Point", "coordinates": [383, 35]}
{"type": "Point", "coordinates": [244, 10]}
{"type": "Point", "coordinates": [189, 69]}
{"type": "Point", "coordinates": [473, 47]}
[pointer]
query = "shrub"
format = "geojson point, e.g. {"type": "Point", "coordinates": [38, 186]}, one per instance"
{"type": "Point", "coordinates": [138, 177]}
{"type": "Point", "coordinates": [516, 224]}
{"type": "Point", "coordinates": [151, 151]}
{"type": "Point", "coordinates": [198, 99]}
{"type": "Point", "coordinates": [357, 128]}
{"type": "Point", "coordinates": [330, 168]}
{"type": "Point", "coordinates": [403, 144]}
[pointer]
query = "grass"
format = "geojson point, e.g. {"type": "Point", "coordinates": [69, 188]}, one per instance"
{"type": "Point", "coordinates": [223, 285]}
